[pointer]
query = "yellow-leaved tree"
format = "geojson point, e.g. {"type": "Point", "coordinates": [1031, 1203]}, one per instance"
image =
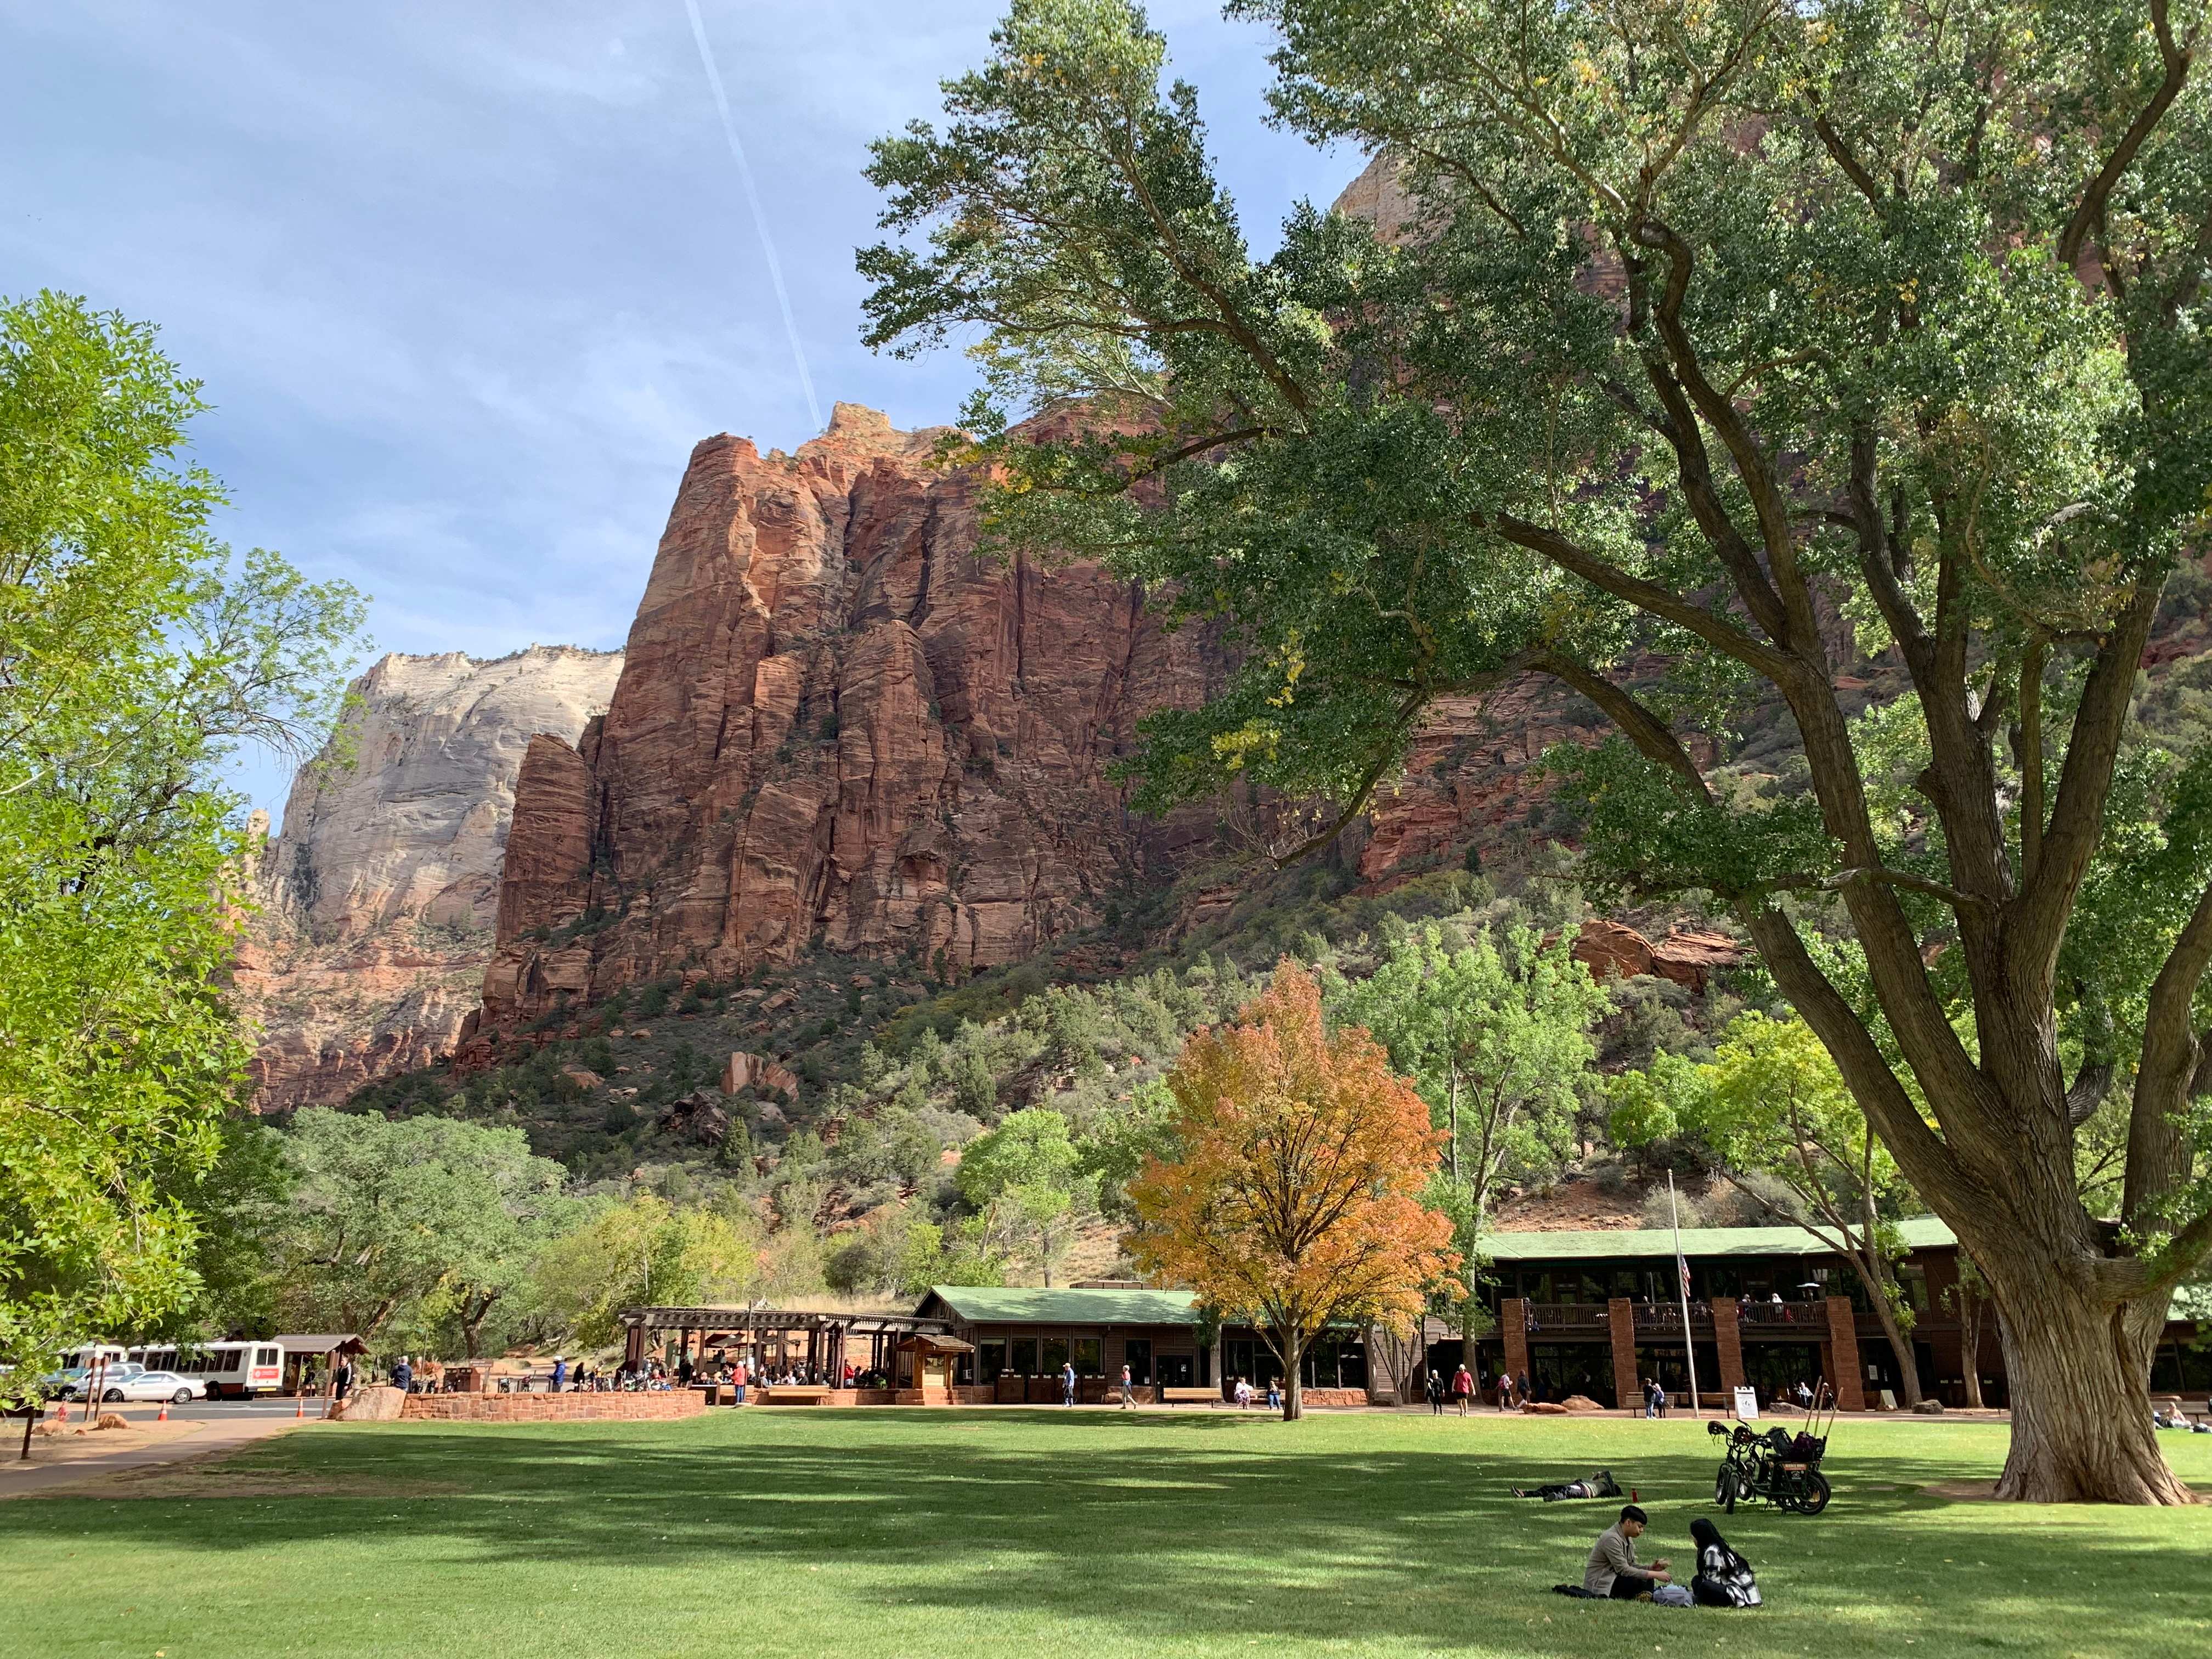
{"type": "Point", "coordinates": [1293, 1200]}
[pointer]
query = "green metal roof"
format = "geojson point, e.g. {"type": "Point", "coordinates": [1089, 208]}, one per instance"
{"type": "Point", "coordinates": [1919, 1233]}
{"type": "Point", "coordinates": [993, 1305]}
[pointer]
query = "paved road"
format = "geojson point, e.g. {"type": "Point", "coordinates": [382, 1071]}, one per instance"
{"type": "Point", "coordinates": [226, 1425]}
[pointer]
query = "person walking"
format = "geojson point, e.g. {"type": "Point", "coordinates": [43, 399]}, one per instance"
{"type": "Point", "coordinates": [1068, 1382]}
{"type": "Point", "coordinates": [1435, 1386]}
{"type": "Point", "coordinates": [1521, 1391]}
{"type": "Point", "coordinates": [342, 1380]}
{"type": "Point", "coordinates": [1505, 1391]}
{"type": "Point", "coordinates": [1128, 1390]}
{"type": "Point", "coordinates": [402, 1376]}
{"type": "Point", "coordinates": [1463, 1388]}
{"type": "Point", "coordinates": [560, 1372]}
{"type": "Point", "coordinates": [1649, 1410]}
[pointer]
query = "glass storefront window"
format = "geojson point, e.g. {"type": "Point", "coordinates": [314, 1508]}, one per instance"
{"type": "Point", "coordinates": [1137, 1354]}
{"type": "Point", "coordinates": [990, 1358]}
{"type": "Point", "coordinates": [1025, 1356]}
{"type": "Point", "coordinates": [1053, 1351]}
{"type": "Point", "coordinates": [1087, 1361]}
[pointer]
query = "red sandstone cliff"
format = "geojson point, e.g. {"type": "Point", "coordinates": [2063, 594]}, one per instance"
{"type": "Point", "coordinates": [835, 725]}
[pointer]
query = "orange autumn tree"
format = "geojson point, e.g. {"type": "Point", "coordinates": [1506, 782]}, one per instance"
{"type": "Point", "coordinates": [1294, 1201]}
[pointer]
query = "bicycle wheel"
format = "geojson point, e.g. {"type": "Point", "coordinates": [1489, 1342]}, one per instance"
{"type": "Point", "coordinates": [1732, 1481]}
{"type": "Point", "coordinates": [1724, 1487]}
{"type": "Point", "coordinates": [1813, 1498]}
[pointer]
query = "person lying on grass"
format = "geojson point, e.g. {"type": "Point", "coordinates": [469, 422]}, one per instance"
{"type": "Point", "coordinates": [1612, 1572]}
{"type": "Point", "coordinates": [1601, 1484]}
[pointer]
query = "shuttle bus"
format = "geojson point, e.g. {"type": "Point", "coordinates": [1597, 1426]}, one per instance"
{"type": "Point", "coordinates": [232, 1370]}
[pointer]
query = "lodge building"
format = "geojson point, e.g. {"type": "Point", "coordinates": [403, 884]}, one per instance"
{"type": "Point", "coordinates": [1589, 1313]}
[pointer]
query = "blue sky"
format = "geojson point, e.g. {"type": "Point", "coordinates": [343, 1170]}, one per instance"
{"type": "Point", "coordinates": [466, 281]}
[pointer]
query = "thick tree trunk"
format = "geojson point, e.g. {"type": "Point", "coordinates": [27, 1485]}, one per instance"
{"type": "Point", "coordinates": [2081, 1400]}
{"type": "Point", "coordinates": [1294, 1356]}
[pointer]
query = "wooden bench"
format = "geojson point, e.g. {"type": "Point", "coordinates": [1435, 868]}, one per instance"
{"type": "Point", "coordinates": [795, 1393]}
{"type": "Point", "coordinates": [1210, 1398]}
{"type": "Point", "coordinates": [1190, 1396]}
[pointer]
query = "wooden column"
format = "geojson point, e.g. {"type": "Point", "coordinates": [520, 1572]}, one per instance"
{"type": "Point", "coordinates": [634, 1345]}
{"type": "Point", "coordinates": [1727, 1338]}
{"type": "Point", "coordinates": [1514, 1323]}
{"type": "Point", "coordinates": [1842, 1345]}
{"type": "Point", "coordinates": [1620, 1325]}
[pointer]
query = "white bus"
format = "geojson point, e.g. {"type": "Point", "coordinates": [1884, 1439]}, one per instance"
{"type": "Point", "coordinates": [232, 1370]}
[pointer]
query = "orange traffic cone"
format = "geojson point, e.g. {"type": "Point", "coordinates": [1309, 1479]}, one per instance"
{"type": "Point", "coordinates": [301, 1411]}
{"type": "Point", "coordinates": [162, 1415]}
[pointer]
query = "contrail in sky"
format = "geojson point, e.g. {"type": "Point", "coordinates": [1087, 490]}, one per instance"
{"type": "Point", "coordinates": [753, 196]}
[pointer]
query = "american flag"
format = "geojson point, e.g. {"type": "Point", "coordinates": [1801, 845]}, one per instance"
{"type": "Point", "coordinates": [1683, 1265]}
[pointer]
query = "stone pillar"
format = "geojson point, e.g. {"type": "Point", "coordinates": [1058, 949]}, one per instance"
{"type": "Point", "coordinates": [1513, 1324]}
{"type": "Point", "coordinates": [1620, 1319]}
{"type": "Point", "coordinates": [1728, 1337]}
{"type": "Point", "coordinates": [1844, 1345]}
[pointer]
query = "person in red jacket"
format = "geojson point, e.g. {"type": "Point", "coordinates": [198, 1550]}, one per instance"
{"type": "Point", "coordinates": [1463, 1388]}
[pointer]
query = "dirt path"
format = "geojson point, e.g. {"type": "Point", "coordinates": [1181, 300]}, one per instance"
{"type": "Point", "coordinates": [64, 1459]}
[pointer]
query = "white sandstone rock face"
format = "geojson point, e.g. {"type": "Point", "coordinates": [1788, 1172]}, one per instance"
{"type": "Point", "coordinates": [379, 893]}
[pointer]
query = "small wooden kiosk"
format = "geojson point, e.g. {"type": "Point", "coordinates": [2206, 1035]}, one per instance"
{"type": "Point", "coordinates": [922, 1368]}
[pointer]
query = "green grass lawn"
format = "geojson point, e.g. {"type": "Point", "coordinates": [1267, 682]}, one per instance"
{"type": "Point", "coordinates": [1082, 1534]}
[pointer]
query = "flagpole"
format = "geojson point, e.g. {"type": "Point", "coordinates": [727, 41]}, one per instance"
{"type": "Point", "coordinates": [1682, 1277]}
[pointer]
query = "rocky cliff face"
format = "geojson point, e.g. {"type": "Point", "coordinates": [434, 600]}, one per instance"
{"type": "Point", "coordinates": [377, 899]}
{"type": "Point", "coordinates": [835, 725]}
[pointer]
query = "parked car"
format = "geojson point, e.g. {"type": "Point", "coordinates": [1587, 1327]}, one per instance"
{"type": "Point", "coordinates": [157, 1385]}
{"type": "Point", "coordinates": [70, 1384]}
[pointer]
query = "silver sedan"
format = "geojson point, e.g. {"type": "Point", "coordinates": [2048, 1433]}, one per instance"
{"type": "Point", "coordinates": [156, 1385]}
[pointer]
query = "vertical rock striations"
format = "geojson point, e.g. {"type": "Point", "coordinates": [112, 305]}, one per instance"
{"type": "Point", "coordinates": [378, 900]}
{"type": "Point", "coordinates": [838, 724]}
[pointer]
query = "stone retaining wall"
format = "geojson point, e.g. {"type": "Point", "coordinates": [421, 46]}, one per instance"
{"type": "Point", "coordinates": [553, 1407]}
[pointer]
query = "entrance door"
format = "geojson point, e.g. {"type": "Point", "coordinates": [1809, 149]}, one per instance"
{"type": "Point", "coordinates": [1176, 1371]}
{"type": "Point", "coordinates": [1136, 1353]}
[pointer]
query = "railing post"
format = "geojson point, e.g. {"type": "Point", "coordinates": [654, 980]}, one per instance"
{"type": "Point", "coordinates": [1620, 1320]}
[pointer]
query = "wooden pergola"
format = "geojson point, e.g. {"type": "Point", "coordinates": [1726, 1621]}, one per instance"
{"type": "Point", "coordinates": [768, 1334]}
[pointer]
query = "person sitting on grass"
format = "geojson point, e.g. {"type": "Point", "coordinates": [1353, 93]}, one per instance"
{"type": "Point", "coordinates": [1612, 1572]}
{"type": "Point", "coordinates": [1723, 1578]}
{"type": "Point", "coordinates": [1601, 1484]}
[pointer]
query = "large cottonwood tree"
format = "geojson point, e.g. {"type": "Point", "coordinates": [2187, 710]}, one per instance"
{"type": "Point", "coordinates": [135, 656]}
{"type": "Point", "coordinates": [1768, 338]}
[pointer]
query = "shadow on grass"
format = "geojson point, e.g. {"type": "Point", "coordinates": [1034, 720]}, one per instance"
{"type": "Point", "coordinates": [1209, 1526]}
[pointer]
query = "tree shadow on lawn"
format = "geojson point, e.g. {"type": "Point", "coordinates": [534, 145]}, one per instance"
{"type": "Point", "coordinates": [1171, 1530]}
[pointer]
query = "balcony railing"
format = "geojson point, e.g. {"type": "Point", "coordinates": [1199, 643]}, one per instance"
{"type": "Point", "coordinates": [1568, 1318]}
{"type": "Point", "coordinates": [1668, 1317]}
{"type": "Point", "coordinates": [1770, 1314]}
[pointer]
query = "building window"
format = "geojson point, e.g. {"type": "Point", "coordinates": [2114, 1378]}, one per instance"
{"type": "Point", "coordinates": [1088, 1362]}
{"type": "Point", "coordinates": [1053, 1350]}
{"type": "Point", "coordinates": [1025, 1356]}
{"type": "Point", "coordinates": [991, 1358]}
{"type": "Point", "coordinates": [1137, 1354]}
{"type": "Point", "coordinates": [1912, 1279]}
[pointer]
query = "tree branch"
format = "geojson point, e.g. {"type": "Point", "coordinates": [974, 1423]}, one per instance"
{"type": "Point", "coordinates": [2089, 216]}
